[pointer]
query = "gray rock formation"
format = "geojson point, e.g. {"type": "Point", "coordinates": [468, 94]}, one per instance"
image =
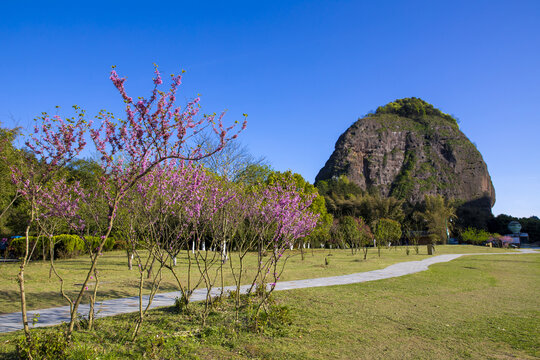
{"type": "Point", "coordinates": [408, 149]}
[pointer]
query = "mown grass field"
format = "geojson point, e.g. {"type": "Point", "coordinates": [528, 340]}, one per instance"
{"type": "Point", "coordinates": [117, 281]}
{"type": "Point", "coordinates": [474, 307]}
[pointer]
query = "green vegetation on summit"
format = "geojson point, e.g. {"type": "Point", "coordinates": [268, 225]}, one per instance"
{"type": "Point", "coordinates": [412, 108]}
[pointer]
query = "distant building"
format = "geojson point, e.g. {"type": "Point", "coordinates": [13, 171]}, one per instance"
{"type": "Point", "coordinates": [518, 238]}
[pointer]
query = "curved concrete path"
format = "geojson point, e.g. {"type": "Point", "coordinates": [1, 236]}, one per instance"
{"type": "Point", "coordinates": [54, 316]}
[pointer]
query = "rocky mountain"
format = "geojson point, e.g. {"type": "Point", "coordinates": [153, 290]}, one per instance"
{"type": "Point", "coordinates": [408, 148]}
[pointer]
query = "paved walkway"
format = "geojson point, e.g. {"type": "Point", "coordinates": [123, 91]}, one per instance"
{"type": "Point", "coordinates": [54, 316]}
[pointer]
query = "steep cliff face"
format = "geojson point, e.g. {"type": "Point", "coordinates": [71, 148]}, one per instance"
{"type": "Point", "coordinates": [408, 149]}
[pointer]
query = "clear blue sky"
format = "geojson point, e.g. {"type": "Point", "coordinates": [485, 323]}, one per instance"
{"type": "Point", "coordinates": [303, 71]}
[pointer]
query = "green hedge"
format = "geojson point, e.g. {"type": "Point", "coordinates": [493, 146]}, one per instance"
{"type": "Point", "coordinates": [66, 246]}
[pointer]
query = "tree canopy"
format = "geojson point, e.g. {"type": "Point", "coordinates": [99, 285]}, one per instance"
{"type": "Point", "coordinates": [318, 206]}
{"type": "Point", "coordinates": [438, 216]}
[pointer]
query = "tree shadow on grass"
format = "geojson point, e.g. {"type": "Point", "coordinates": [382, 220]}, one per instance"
{"type": "Point", "coordinates": [165, 310]}
{"type": "Point", "coordinates": [48, 299]}
{"type": "Point", "coordinates": [521, 260]}
{"type": "Point", "coordinates": [8, 356]}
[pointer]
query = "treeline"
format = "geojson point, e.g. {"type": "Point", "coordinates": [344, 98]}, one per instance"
{"type": "Point", "coordinates": [339, 198]}
{"type": "Point", "coordinates": [435, 216]}
{"type": "Point", "coordinates": [431, 218]}
{"type": "Point", "coordinates": [530, 225]}
{"type": "Point", "coordinates": [246, 173]}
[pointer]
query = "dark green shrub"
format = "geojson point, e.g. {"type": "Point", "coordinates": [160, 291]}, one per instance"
{"type": "Point", "coordinates": [109, 244]}
{"type": "Point", "coordinates": [17, 246]}
{"type": "Point", "coordinates": [181, 304]}
{"type": "Point", "coordinates": [96, 240]}
{"type": "Point", "coordinates": [68, 246]}
{"type": "Point", "coordinates": [47, 345]}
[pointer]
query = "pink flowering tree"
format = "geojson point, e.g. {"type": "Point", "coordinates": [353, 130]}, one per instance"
{"type": "Point", "coordinates": [285, 217]}
{"type": "Point", "coordinates": [211, 235]}
{"type": "Point", "coordinates": [154, 130]}
{"type": "Point", "coordinates": [59, 205]}
{"type": "Point", "coordinates": [59, 202]}
{"type": "Point", "coordinates": [143, 211]}
{"type": "Point", "coordinates": [55, 142]}
{"type": "Point", "coordinates": [505, 241]}
{"type": "Point", "coordinates": [174, 202]}
{"type": "Point", "coordinates": [177, 204]}
{"type": "Point", "coordinates": [243, 223]}
{"type": "Point", "coordinates": [288, 211]}
{"type": "Point", "coordinates": [180, 194]}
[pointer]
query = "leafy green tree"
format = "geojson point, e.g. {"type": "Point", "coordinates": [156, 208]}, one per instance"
{"type": "Point", "coordinates": [531, 225]}
{"type": "Point", "coordinates": [438, 216]}
{"type": "Point", "coordinates": [254, 174]}
{"type": "Point", "coordinates": [386, 231]}
{"type": "Point", "coordinates": [9, 156]}
{"type": "Point", "coordinates": [365, 236]}
{"type": "Point", "coordinates": [342, 196]}
{"type": "Point", "coordinates": [499, 224]}
{"type": "Point", "coordinates": [86, 171]}
{"type": "Point", "coordinates": [375, 207]}
{"type": "Point", "coordinates": [350, 232]}
{"type": "Point", "coordinates": [345, 198]}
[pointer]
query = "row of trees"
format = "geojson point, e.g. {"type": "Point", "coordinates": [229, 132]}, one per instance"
{"type": "Point", "coordinates": [355, 233]}
{"type": "Point", "coordinates": [435, 215]}
{"type": "Point", "coordinates": [434, 219]}
{"type": "Point", "coordinates": [146, 187]}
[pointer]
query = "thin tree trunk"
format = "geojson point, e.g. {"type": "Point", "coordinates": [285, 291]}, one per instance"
{"type": "Point", "coordinates": [20, 277]}
{"type": "Point", "coordinates": [51, 255]}
{"type": "Point", "coordinates": [182, 289]}
{"type": "Point", "coordinates": [153, 291]}
{"type": "Point", "coordinates": [53, 268]}
{"type": "Point", "coordinates": [93, 302]}
{"type": "Point", "coordinates": [93, 265]}
{"type": "Point", "coordinates": [149, 274]}
{"type": "Point", "coordinates": [17, 195]}
{"type": "Point", "coordinates": [43, 251]}
{"type": "Point", "coordinates": [130, 260]}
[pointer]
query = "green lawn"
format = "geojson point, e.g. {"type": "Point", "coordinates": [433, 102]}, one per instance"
{"type": "Point", "coordinates": [117, 281]}
{"type": "Point", "coordinates": [477, 307]}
